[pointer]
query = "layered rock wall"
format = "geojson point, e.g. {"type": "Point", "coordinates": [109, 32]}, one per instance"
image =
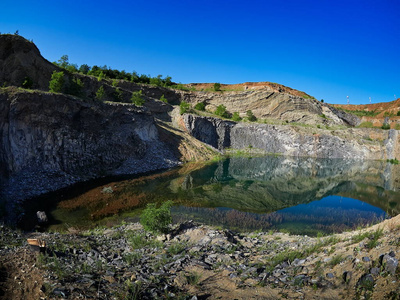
{"type": "Point", "coordinates": [294, 140]}
{"type": "Point", "coordinates": [51, 140]}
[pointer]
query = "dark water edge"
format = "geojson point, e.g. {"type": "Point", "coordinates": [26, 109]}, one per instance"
{"type": "Point", "coordinates": [297, 195]}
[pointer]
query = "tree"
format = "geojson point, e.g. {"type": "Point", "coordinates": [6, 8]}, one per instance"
{"type": "Point", "coordinates": [236, 117]}
{"type": "Point", "coordinates": [27, 83]}
{"type": "Point", "coordinates": [63, 62]}
{"type": "Point", "coordinates": [101, 76]}
{"type": "Point", "coordinates": [76, 87]}
{"type": "Point", "coordinates": [100, 94]}
{"type": "Point", "coordinates": [221, 111]}
{"type": "Point", "coordinates": [184, 107]}
{"type": "Point", "coordinates": [155, 219]}
{"type": "Point", "coordinates": [56, 84]}
{"type": "Point", "coordinates": [250, 116]}
{"type": "Point", "coordinates": [217, 86]}
{"type": "Point", "coordinates": [137, 98]}
{"type": "Point", "coordinates": [84, 69]}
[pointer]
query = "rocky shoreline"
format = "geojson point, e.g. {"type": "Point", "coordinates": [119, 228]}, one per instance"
{"type": "Point", "coordinates": [199, 262]}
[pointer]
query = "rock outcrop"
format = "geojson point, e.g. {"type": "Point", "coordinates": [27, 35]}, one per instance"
{"type": "Point", "coordinates": [49, 141]}
{"type": "Point", "coordinates": [295, 141]}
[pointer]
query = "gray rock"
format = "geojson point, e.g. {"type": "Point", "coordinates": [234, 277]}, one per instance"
{"type": "Point", "coordinates": [330, 275]}
{"type": "Point", "coordinates": [390, 264]}
{"type": "Point", "coordinates": [366, 259]}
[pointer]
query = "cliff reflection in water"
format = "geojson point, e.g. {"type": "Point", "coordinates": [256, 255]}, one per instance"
{"type": "Point", "coordinates": [271, 193]}
{"type": "Point", "coordinates": [299, 195]}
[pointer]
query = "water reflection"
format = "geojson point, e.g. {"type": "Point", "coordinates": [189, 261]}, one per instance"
{"type": "Point", "coordinates": [297, 195]}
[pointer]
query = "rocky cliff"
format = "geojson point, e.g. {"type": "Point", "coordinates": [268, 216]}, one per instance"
{"type": "Point", "coordinates": [50, 140]}
{"type": "Point", "coordinates": [295, 140]}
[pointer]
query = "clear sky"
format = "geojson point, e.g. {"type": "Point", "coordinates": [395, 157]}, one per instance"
{"type": "Point", "coordinates": [329, 49]}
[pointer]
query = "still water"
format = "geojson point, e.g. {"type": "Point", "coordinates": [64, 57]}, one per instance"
{"type": "Point", "coordinates": [301, 196]}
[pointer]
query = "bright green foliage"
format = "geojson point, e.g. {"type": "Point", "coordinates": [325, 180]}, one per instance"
{"type": "Point", "coordinates": [250, 116]}
{"type": "Point", "coordinates": [137, 98]}
{"type": "Point", "coordinates": [27, 83]}
{"type": "Point", "coordinates": [236, 117]}
{"type": "Point", "coordinates": [217, 86]}
{"type": "Point", "coordinates": [101, 76]}
{"type": "Point", "coordinates": [163, 99]}
{"type": "Point", "coordinates": [221, 111]}
{"type": "Point", "coordinates": [157, 219]}
{"type": "Point", "coordinates": [200, 106]}
{"type": "Point", "coordinates": [100, 94]}
{"type": "Point", "coordinates": [56, 83]}
{"type": "Point", "coordinates": [184, 107]}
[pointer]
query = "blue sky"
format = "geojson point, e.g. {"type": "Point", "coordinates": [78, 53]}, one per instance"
{"type": "Point", "coordinates": [329, 49]}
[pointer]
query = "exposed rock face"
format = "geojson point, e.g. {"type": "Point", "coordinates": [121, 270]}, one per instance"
{"type": "Point", "coordinates": [268, 104]}
{"type": "Point", "coordinates": [295, 141]}
{"type": "Point", "coordinates": [19, 59]}
{"type": "Point", "coordinates": [49, 141]}
{"type": "Point", "coordinates": [211, 131]}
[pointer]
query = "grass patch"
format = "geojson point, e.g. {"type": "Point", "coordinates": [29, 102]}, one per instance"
{"type": "Point", "coordinates": [367, 124]}
{"type": "Point", "coordinates": [337, 259]}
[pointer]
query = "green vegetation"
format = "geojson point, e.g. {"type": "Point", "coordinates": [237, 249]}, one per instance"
{"type": "Point", "coordinates": [27, 83]}
{"type": "Point", "coordinates": [397, 126]}
{"type": "Point", "coordinates": [337, 259]}
{"type": "Point", "coordinates": [250, 116]}
{"type": "Point", "coordinates": [393, 161]}
{"type": "Point", "coordinates": [75, 87]}
{"type": "Point", "coordinates": [200, 106]}
{"type": "Point", "coordinates": [157, 219]}
{"type": "Point", "coordinates": [398, 113]}
{"type": "Point", "coordinates": [105, 72]}
{"type": "Point", "coordinates": [56, 84]}
{"type": "Point", "coordinates": [184, 107]}
{"type": "Point", "coordinates": [163, 99]}
{"type": "Point", "coordinates": [385, 126]}
{"type": "Point", "coordinates": [236, 117]}
{"type": "Point", "coordinates": [221, 111]}
{"type": "Point", "coordinates": [100, 94]}
{"type": "Point", "coordinates": [217, 86]}
{"type": "Point", "coordinates": [361, 113]}
{"type": "Point", "coordinates": [137, 98]}
{"type": "Point", "coordinates": [366, 125]}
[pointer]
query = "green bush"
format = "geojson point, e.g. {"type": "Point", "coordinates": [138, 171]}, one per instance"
{"type": "Point", "coordinates": [163, 99]}
{"type": "Point", "coordinates": [398, 113]}
{"type": "Point", "coordinates": [221, 111]}
{"type": "Point", "coordinates": [137, 98]}
{"type": "Point", "coordinates": [184, 107]}
{"type": "Point", "coordinates": [200, 106]}
{"type": "Point", "coordinates": [217, 86]}
{"type": "Point", "coordinates": [155, 219]}
{"type": "Point", "coordinates": [100, 94]}
{"type": "Point", "coordinates": [75, 88]}
{"type": "Point", "coordinates": [250, 116]}
{"type": "Point", "coordinates": [56, 84]}
{"type": "Point", "coordinates": [236, 117]}
{"type": "Point", "coordinates": [386, 126]}
{"type": "Point", "coordinates": [27, 83]}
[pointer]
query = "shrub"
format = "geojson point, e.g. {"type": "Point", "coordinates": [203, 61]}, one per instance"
{"type": "Point", "coordinates": [56, 84]}
{"type": "Point", "coordinates": [217, 86]}
{"type": "Point", "coordinates": [250, 116]}
{"type": "Point", "coordinates": [117, 95]}
{"type": "Point", "coordinates": [221, 111]}
{"type": "Point", "coordinates": [163, 99]}
{"type": "Point", "coordinates": [101, 76]}
{"type": "Point", "coordinates": [385, 126]}
{"type": "Point", "coordinates": [236, 117]}
{"type": "Point", "coordinates": [397, 126]}
{"type": "Point", "coordinates": [137, 98]}
{"type": "Point", "coordinates": [200, 106]}
{"type": "Point", "coordinates": [76, 87]}
{"type": "Point", "coordinates": [398, 113]}
{"type": "Point", "coordinates": [157, 219]}
{"type": "Point", "coordinates": [184, 107]}
{"type": "Point", "coordinates": [366, 125]}
{"type": "Point", "coordinates": [27, 83]}
{"type": "Point", "coordinates": [100, 94]}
